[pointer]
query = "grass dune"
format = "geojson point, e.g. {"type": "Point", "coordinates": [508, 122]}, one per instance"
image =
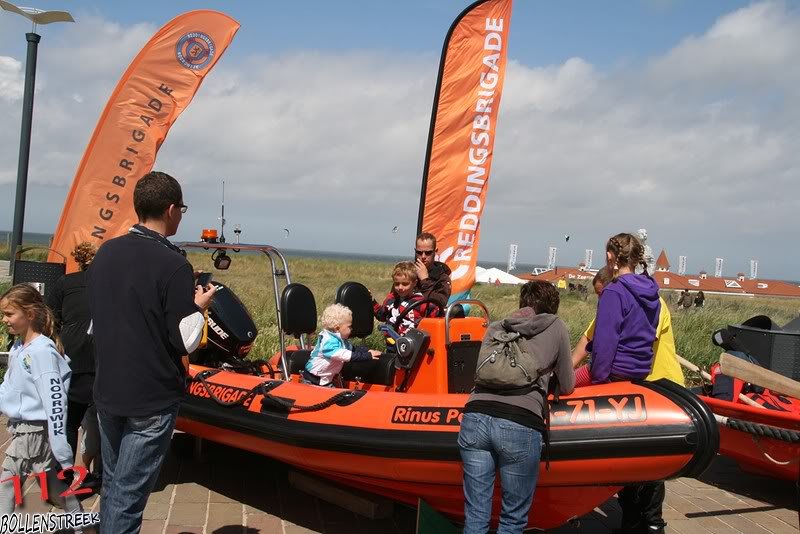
{"type": "Point", "coordinates": [250, 278]}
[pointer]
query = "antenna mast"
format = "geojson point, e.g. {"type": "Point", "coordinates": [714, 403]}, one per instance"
{"type": "Point", "coordinates": [222, 218]}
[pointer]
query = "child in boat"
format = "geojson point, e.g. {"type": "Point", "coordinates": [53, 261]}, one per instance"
{"type": "Point", "coordinates": [404, 293]}
{"type": "Point", "coordinates": [332, 349]}
{"type": "Point", "coordinates": [34, 398]}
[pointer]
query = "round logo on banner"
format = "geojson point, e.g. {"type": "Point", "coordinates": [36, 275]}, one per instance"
{"type": "Point", "coordinates": [195, 50]}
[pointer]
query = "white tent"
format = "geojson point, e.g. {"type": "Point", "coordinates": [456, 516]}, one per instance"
{"type": "Point", "coordinates": [492, 275]}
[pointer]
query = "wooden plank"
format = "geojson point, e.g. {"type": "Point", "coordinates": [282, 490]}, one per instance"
{"type": "Point", "coordinates": [736, 367]}
{"type": "Point", "coordinates": [358, 502]}
{"type": "Point", "coordinates": [692, 367]}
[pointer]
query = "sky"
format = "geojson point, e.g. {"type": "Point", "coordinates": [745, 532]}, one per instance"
{"type": "Point", "coordinates": [676, 116]}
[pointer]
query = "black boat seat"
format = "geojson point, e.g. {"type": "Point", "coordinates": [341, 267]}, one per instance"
{"type": "Point", "coordinates": [380, 372]}
{"type": "Point", "coordinates": [298, 310]}
{"type": "Point", "coordinates": [297, 360]}
{"type": "Point", "coordinates": [357, 297]}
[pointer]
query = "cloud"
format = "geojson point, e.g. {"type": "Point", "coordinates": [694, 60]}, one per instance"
{"type": "Point", "coordinates": [699, 145]}
{"type": "Point", "coordinates": [752, 49]}
{"type": "Point", "coordinates": [11, 79]}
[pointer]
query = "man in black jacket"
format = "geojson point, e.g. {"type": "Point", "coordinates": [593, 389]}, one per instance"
{"type": "Point", "coordinates": [146, 315]}
{"type": "Point", "coordinates": [434, 276]}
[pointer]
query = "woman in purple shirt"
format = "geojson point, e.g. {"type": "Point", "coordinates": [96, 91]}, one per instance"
{"type": "Point", "coordinates": [627, 316]}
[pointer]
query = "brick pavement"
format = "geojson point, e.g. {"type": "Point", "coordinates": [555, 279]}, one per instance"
{"type": "Point", "coordinates": [238, 492]}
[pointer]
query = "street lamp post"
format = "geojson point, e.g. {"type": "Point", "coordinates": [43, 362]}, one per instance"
{"type": "Point", "coordinates": [36, 16]}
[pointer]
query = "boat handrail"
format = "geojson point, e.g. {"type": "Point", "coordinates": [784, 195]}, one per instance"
{"type": "Point", "coordinates": [452, 306]}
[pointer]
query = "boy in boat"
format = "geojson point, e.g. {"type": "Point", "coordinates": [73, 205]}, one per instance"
{"type": "Point", "coordinates": [404, 294]}
{"type": "Point", "coordinates": [332, 349]}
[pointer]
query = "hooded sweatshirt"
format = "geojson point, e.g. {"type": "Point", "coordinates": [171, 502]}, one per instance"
{"type": "Point", "coordinates": [543, 334]}
{"type": "Point", "coordinates": [35, 389]}
{"type": "Point", "coordinates": [627, 316]}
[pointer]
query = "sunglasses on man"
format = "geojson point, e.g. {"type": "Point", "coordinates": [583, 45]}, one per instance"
{"type": "Point", "coordinates": [424, 252]}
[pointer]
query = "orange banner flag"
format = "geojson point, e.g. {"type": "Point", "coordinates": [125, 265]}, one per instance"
{"type": "Point", "coordinates": [158, 85]}
{"type": "Point", "coordinates": [461, 138]}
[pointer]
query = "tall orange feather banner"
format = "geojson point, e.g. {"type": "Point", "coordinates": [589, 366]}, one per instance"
{"type": "Point", "coordinates": [462, 132]}
{"type": "Point", "coordinates": [158, 85]}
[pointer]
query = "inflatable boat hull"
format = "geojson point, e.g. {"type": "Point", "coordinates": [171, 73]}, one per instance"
{"type": "Point", "coordinates": [403, 445]}
{"type": "Point", "coordinates": [761, 455]}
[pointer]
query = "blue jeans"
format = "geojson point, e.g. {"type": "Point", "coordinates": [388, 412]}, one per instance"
{"type": "Point", "coordinates": [133, 450]}
{"type": "Point", "coordinates": [489, 444]}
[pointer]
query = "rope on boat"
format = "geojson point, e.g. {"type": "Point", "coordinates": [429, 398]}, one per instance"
{"type": "Point", "coordinates": [290, 405]}
{"type": "Point", "coordinates": [286, 403]}
{"type": "Point", "coordinates": [202, 378]}
{"type": "Point", "coordinates": [766, 431]}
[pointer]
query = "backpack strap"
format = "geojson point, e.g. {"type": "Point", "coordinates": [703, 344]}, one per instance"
{"type": "Point", "coordinates": [555, 388]}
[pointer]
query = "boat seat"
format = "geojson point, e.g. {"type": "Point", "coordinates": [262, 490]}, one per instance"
{"type": "Point", "coordinates": [298, 310]}
{"type": "Point", "coordinates": [298, 317]}
{"type": "Point", "coordinates": [358, 298]}
{"type": "Point", "coordinates": [297, 360]}
{"type": "Point", "coordinates": [462, 360]}
{"type": "Point", "coordinates": [380, 372]}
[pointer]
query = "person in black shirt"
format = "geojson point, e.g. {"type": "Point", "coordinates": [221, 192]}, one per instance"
{"type": "Point", "coordinates": [434, 276]}
{"type": "Point", "coordinates": [146, 315]}
{"type": "Point", "coordinates": [70, 306]}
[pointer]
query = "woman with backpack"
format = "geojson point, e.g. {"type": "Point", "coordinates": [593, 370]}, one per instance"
{"type": "Point", "coordinates": [503, 426]}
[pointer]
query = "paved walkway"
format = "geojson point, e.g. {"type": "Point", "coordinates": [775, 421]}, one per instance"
{"type": "Point", "coordinates": [239, 492]}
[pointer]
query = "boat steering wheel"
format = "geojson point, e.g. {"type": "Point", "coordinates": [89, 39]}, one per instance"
{"type": "Point", "coordinates": [414, 305]}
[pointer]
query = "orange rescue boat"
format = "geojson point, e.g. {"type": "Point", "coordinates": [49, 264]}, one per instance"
{"type": "Point", "coordinates": [391, 427]}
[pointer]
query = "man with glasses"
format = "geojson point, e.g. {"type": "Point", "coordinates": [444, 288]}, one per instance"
{"type": "Point", "coordinates": [434, 276]}
{"type": "Point", "coordinates": [146, 314]}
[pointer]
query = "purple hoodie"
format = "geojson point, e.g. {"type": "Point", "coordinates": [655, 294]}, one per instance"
{"type": "Point", "coordinates": [625, 329]}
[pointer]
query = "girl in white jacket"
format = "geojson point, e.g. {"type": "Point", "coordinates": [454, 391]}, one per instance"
{"type": "Point", "coordinates": [33, 396]}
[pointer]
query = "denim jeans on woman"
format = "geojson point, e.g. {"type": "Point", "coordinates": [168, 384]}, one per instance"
{"type": "Point", "coordinates": [490, 444]}
{"type": "Point", "coordinates": [133, 450]}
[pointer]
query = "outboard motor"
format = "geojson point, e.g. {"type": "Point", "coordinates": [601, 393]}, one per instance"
{"type": "Point", "coordinates": [231, 330]}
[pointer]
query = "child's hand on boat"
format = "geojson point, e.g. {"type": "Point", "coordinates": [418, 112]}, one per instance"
{"type": "Point", "coordinates": [376, 354]}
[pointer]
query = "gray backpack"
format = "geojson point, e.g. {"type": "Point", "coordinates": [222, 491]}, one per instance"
{"type": "Point", "coordinates": [505, 366]}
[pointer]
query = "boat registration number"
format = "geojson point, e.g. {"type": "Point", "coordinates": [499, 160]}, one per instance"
{"type": "Point", "coordinates": [598, 410]}
{"type": "Point", "coordinates": [583, 411]}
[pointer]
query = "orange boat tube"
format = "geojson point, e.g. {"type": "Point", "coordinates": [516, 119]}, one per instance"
{"type": "Point", "coordinates": [403, 445]}
{"type": "Point", "coordinates": [762, 441]}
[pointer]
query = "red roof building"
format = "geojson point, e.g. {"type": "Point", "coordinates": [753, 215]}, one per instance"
{"type": "Point", "coordinates": [662, 263]}
{"type": "Point", "coordinates": [570, 274]}
{"type": "Point", "coordinates": [693, 282]}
